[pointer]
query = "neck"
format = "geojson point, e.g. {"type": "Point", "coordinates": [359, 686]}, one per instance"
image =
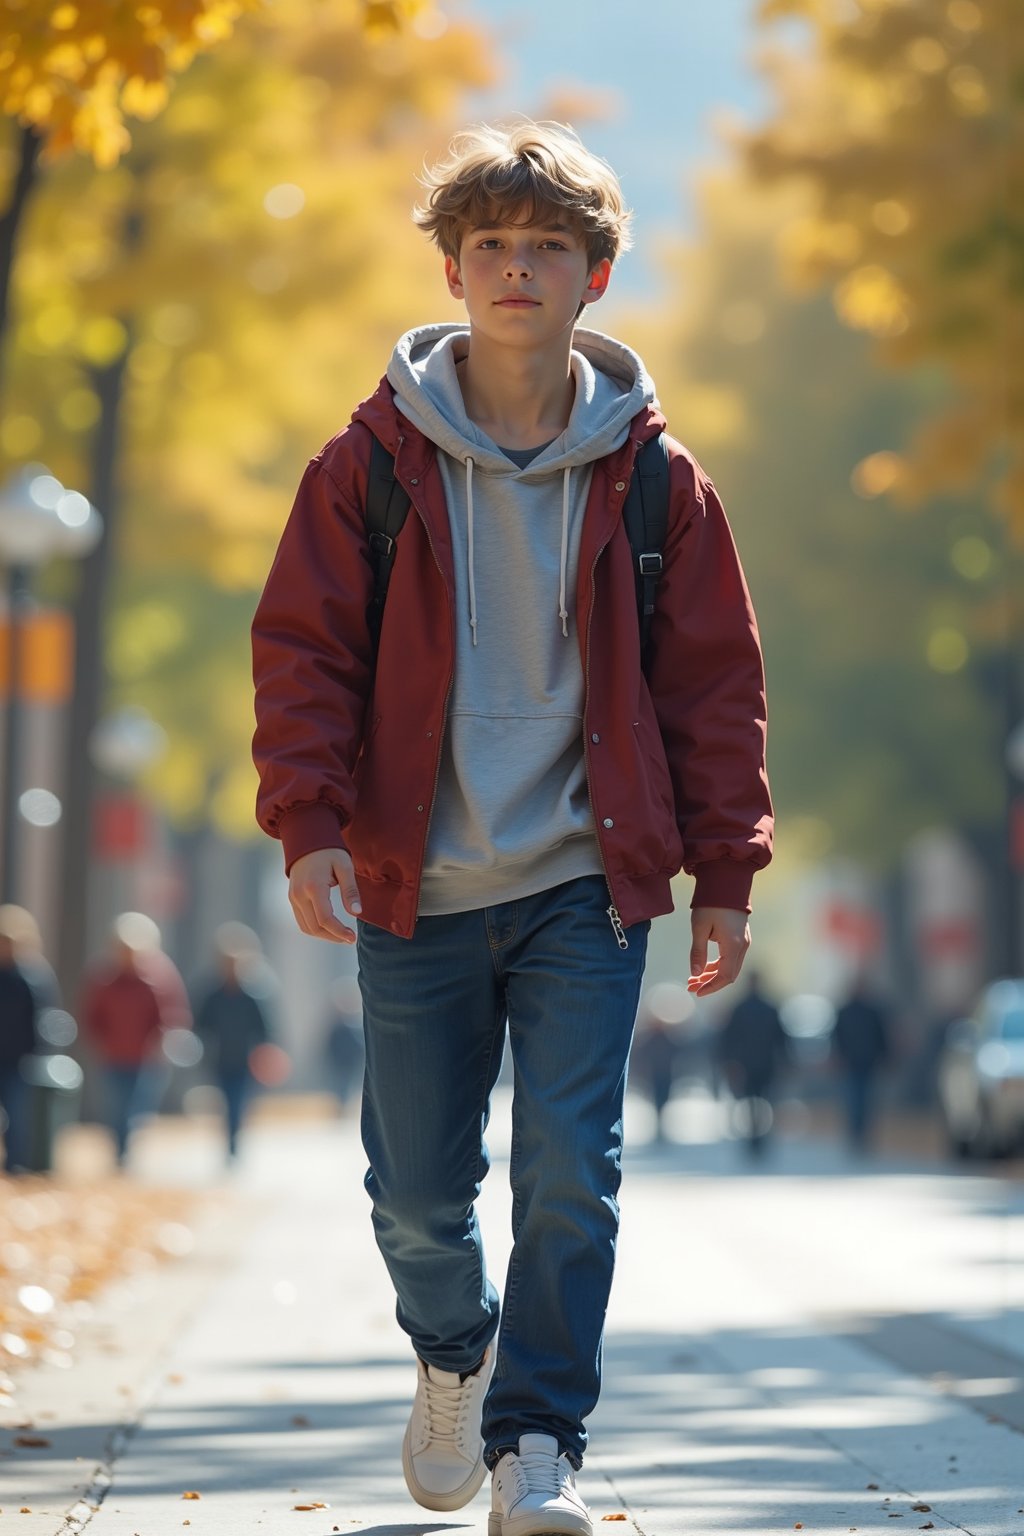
{"type": "Point", "coordinates": [520, 399]}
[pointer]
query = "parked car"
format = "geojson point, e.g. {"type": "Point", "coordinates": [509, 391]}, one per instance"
{"type": "Point", "coordinates": [981, 1074]}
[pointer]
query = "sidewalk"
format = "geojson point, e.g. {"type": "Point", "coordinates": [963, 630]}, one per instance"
{"type": "Point", "coordinates": [806, 1345]}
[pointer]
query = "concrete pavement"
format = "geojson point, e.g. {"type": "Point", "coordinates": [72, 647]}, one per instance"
{"type": "Point", "coordinates": [808, 1344]}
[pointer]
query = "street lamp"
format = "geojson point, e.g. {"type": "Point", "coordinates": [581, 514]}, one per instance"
{"type": "Point", "coordinates": [39, 520]}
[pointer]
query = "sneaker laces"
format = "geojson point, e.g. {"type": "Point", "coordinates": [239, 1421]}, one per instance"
{"type": "Point", "coordinates": [542, 1470]}
{"type": "Point", "coordinates": [445, 1407]}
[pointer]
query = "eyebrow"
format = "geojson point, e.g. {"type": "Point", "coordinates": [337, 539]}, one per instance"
{"type": "Point", "coordinates": [544, 229]}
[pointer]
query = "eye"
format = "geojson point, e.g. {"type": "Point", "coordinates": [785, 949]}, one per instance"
{"type": "Point", "coordinates": [490, 244]}
{"type": "Point", "coordinates": [554, 245]}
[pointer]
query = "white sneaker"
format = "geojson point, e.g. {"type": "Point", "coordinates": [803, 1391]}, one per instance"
{"type": "Point", "coordinates": [443, 1453]}
{"type": "Point", "coordinates": [534, 1491]}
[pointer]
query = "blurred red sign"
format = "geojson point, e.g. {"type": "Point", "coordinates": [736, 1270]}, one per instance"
{"type": "Point", "coordinates": [121, 827]}
{"type": "Point", "coordinates": [942, 938]}
{"type": "Point", "coordinates": [1017, 834]}
{"type": "Point", "coordinates": [852, 928]}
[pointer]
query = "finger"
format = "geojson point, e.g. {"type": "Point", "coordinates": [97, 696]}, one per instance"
{"type": "Point", "coordinates": [321, 919]}
{"type": "Point", "coordinates": [345, 875]}
{"type": "Point", "coordinates": [298, 912]}
{"type": "Point", "coordinates": [698, 954]}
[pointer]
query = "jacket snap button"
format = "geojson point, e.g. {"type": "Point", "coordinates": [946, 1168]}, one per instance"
{"type": "Point", "coordinates": [429, 735]}
{"type": "Point", "coordinates": [595, 737]}
{"type": "Point", "coordinates": [419, 807]}
{"type": "Point", "coordinates": [608, 822]}
{"type": "Point", "coordinates": [620, 485]}
{"type": "Point", "coordinates": [414, 480]}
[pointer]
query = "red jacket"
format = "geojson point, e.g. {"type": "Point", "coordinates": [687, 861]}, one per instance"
{"type": "Point", "coordinates": [349, 758]}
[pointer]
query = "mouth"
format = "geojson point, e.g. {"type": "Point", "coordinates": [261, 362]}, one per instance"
{"type": "Point", "coordinates": [517, 301]}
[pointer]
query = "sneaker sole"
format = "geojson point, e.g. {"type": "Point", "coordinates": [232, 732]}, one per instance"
{"type": "Point", "coordinates": [554, 1523]}
{"type": "Point", "coordinates": [428, 1499]}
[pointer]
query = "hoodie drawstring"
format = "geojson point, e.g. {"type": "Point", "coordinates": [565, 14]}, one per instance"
{"type": "Point", "coordinates": [563, 612]}
{"type": "Point", "coordinates": [469, 547]}
{"type": "Point", "coordinates": [563, 562]}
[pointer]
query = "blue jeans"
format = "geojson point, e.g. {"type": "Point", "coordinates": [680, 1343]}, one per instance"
{"type": "Point", "coordinates": [15, 1102]}
{"type": "Point", "coordinates": [435, 1008]}
{"type": "Point", "coordinates": [132, 1093]}
{"type": "Point", "coordinates": [236, 1088]}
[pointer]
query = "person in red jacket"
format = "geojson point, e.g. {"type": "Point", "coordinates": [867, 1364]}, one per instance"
{"type": "Point", "coordinates": [501, 791]}
{"type": "Point", "coordinates": [129, 1002]}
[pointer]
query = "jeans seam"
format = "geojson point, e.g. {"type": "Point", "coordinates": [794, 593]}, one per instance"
{"type": "Point", "coordinates": [496, 944]}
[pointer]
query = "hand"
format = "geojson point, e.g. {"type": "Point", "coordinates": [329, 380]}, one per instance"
{"type": "Point", "coordinates": [309, 891]}
{"type": "Point", "coordinates": [731, 932]}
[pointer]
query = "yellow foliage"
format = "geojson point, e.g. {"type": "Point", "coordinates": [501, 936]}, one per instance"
{"type": "Point", "coordinates": [247, 336]}
{"type": "Point", "coordinates": [902, 124]}
{"type": "Point", "coordinates": [870, 299]}
{"type": "Point", "coordinates": [75, 72]}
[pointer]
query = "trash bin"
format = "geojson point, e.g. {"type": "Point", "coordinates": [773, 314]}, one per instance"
{"type": "Point", "coordinates": [55, 1086]}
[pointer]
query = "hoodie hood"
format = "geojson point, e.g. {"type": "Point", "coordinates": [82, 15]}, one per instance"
{"type": "Point", "coordinates": [612, 385]}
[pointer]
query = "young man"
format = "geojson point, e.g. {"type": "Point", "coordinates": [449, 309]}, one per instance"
{"type": "Point", "coordinates": [501, 795]}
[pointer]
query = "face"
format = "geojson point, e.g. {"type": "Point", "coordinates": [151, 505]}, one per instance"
{"type": "Point", "coordinates": [523, 283]}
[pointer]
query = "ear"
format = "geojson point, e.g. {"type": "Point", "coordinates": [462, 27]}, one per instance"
{"type": "Point", "coordinates": [597, 282]}
{"type": "Point", "coordinates": [454, 277]}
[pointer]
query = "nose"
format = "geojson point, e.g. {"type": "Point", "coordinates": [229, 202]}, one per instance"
{"type": "Point", "coordinates": [518, 265]}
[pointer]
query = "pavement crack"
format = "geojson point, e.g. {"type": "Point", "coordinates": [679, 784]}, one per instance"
{"type": "Point", "coordinates": [623, 1502]}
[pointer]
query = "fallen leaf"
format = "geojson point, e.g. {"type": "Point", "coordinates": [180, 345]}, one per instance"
{"type": "Point", "coordinates": [186, 1522]}
{"type": "Point", "coordinates": [619, 1516]}
{"type": "Point", "coordinates": [315, 1505]}
{"type": "Point", "coordinates": [921, 1509]}
{"type": "Point", "coordinates": [873, 1486]}
{"type": "Point", "coordinates": [928, 1526]}
{"type": "Point", "coordinates": [191, 1495]}
{"type": "Point", "coordinates": [300, 1420]}
{"type": "Point", "coordinates": [24, 1510]}
{"type": "Point", "coordinates": [31, 1440]}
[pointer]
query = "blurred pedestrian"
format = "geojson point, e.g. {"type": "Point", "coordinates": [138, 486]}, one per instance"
{"type": "Point", "coordinates": [752, 1051]}
{"type": "Point", "coordinates": [860, 1048]}
{"type": "Point", "coordinates": [344, 1045]}
{"type": "Point", "coordinates": [233, 1022]}
{"type": "Point", "coordinates": [19, 1015]}
{"type": "Point", "coordinates": [32, 962]}
{"type": "Point", "coordinates": [130, 1000]}
{"type": "Point", "coordinates": [654, 1061]}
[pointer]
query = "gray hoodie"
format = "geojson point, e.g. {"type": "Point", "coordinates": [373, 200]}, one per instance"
{"type": "Point", "coordinates": [512, 812]}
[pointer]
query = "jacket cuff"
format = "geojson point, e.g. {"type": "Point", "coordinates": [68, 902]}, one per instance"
{"type": "Point", "coordinates": [723, 883]}
{"type": "Point", "coordinates": [307, 828]}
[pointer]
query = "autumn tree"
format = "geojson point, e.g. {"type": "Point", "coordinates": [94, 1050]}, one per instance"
{"type": "Point", "coordinates": [236, 281]}
{"type": "Point", "coordinates": [904, 120]}
{"type": "Point", "coordinates": [879, 614]}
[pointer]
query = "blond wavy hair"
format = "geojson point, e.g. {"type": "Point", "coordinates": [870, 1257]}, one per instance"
{"type": "Point", "coordinates": [523, 173]}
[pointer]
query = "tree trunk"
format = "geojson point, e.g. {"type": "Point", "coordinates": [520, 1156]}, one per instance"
{"type": "Point", "coordinates": [90, 678]}
{"type": "Point", "coordinates": [10, 223]}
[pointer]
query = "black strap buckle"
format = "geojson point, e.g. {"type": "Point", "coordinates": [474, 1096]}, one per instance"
{"type": "Point", "coordinates": [650, 565]}
{"type": "Point", "coordinates": [381, 544]}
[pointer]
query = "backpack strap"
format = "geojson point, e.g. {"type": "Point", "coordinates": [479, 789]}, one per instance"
{"type": "Point", "coordinates": [645, 513]}
{"type": "Point", "coordinates": [385, 512]}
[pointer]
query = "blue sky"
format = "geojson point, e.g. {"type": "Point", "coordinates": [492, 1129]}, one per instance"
{"type": "Point", "coordinates": [665, 67]}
